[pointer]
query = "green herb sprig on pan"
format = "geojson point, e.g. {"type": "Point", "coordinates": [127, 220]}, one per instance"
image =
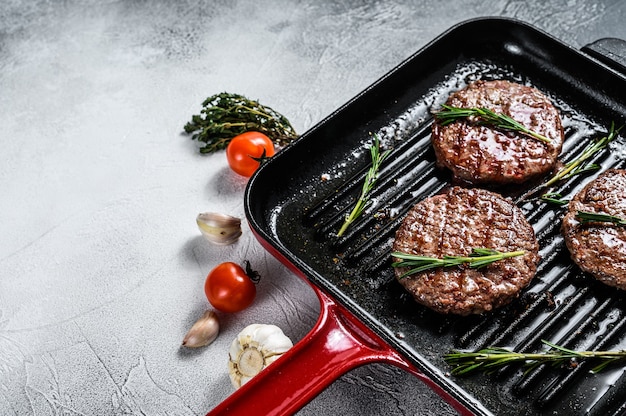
{"type": "Point", "coordinates": [554, 198]}
{"type": "Point", "coordinates": [490, 359]}
{"type": "Point", "coordinates": [586, 216]}
{"type": "Point", "coordinates": [578, 165]}
{"type": "Point", "coordinates": [480, 257]}
{"type": "Point", "coordinates": [368, 185]}
{"type": "Point", "coordinates": [484, 116]}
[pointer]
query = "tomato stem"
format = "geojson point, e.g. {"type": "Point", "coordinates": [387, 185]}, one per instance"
{"type": "Point", "coordinates": [252, 274]}
{"type": "Point", "coordinates": [261, 159]}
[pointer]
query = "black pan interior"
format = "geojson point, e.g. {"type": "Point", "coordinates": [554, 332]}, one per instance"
{"type": "Point", "coordinates": [297, 201]}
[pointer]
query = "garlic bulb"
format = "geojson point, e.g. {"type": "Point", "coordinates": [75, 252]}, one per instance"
{"type": "Point", "coordinates": [219, 228]}
{"type": "Point", "coordinates": [203, 332]}
{"type": "Point", "coordinates": [256, 347]}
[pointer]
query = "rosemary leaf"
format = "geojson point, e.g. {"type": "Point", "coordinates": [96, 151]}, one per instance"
{"type": "Point", "coordinates": [480, 257]}
{"type": "Point", "coordinates": [484, 116]}
{"type": "Point", "coordinates": [368, 185]}
{"type": "Point", "coordinates": [577, 166]}
{"type": "Point", "coordinates": [491, 358]}
{"type": "Point", "coordinates": [227, 115]}
{"type": "Point", "coordinates": [554, 198]}
{"type": "Point", "coordinates": [586, 216]}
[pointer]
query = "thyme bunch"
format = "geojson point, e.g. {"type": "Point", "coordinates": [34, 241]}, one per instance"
{"type": "Point", "coordinates": [485, 116]}
{"type": "Point", "coordinates": [480, 257]}
{"type": "Point", "coordinates": [490, 359]}
{"type": "Point", "coordinates": [227, 115]}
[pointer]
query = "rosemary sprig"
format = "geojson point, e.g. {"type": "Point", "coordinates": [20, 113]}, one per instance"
{"type": "Point", "coordinates": [368, 185]}
{"type": "Point", "coordinates": [226, 115]}
{"type": "Point", "coordinates": [480, 257]}
{"type": "Point", "coordinates": [489, 359]}
{"type": "Point", "coordinates": [554, 198]}
{"type": "Point", "coordinates": [578, 166]}
{"type": "Point", "coordinates": [586, 216]}
{"type": "Point", "coordinates": [450, 114]}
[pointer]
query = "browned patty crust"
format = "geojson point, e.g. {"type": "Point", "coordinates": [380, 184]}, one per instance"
{"type": "Point", "coordinates": [481, 154]}
{"type": "Point", "coordinates": [452, 224]}
{"type": "Point", "coordinates": [599, 248]}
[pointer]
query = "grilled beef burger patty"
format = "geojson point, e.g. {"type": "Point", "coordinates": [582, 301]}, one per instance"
{"type": "Point", "coordinates": [481, 154]}
{"type": "Point", "coordinates": [453, 224]}
{"type": "Point", "coordinates": [599, 248]}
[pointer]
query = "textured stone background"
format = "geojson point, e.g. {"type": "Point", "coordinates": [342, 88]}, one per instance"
{"type": "Point", "coordinates": [101, 264]}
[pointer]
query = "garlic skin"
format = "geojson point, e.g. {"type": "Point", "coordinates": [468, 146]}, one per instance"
{"type": "Point", "coordinates": [221, 229]}
{"type": "Point", "coordinates": [256, 347]}
{"type": "Point", "coordinates": [203, 332]}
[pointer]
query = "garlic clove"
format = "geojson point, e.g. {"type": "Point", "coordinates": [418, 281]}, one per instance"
{"type": "Point", "coordinates": [218, 228]}
{"type": "Point", "coordinates": [256, 347]}
{"type": "Point", "coordinates": [203, 332]}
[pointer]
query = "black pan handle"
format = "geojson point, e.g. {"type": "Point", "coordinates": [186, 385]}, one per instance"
{"type": "Point", "coordinates": [609, 51]}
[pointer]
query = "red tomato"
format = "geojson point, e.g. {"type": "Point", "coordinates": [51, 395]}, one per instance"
{"type": "Point", "coordinates": [229, 288]}
{"type": "Point", "coordinates": [245, 148]}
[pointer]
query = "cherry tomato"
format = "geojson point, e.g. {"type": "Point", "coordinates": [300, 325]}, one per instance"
{"type": "Point", "coordinates": [245, 148]}
{"type": "Point", "coordinates": [229, 288]}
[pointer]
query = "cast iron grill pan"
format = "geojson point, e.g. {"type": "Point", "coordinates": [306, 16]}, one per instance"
{"type": "Point", "coordinates": [298, 200]}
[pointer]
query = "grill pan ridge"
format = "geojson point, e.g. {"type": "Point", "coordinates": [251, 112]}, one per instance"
{"type": "Point", "coordinates": [300, 212]}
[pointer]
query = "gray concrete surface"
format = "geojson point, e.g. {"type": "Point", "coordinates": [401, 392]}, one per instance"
{"type": "Point", "coordinates": [101, 263]}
